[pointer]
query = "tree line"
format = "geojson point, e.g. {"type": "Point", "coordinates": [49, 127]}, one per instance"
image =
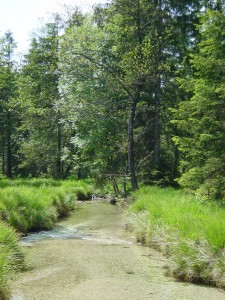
{"type": "Point", "coordinates": [135, 88]}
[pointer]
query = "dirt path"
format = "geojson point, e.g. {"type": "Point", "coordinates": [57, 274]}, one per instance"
{"type": "Point", "coordinates": [89, 257]}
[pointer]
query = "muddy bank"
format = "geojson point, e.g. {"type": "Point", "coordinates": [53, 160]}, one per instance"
{"type": "Point", "coordinates": [90, 257]}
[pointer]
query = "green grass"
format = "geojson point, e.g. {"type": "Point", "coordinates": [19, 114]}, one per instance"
{"type": "Point", "coordinates": [34, 204]}
{"type": "Point", "coordinates": [31, 205]}
{"type": "Point", "coordinates": [190, 231]}
{"type": "Point", "coordinates": [11, 257]}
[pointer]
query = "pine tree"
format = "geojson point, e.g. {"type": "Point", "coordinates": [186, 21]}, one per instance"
{"type": "Point", "coordinates": [200, 121]}
{"type": "Point", "coordinates": [8, 92]}
{"type": "Point", "coordinates": [40, 101]}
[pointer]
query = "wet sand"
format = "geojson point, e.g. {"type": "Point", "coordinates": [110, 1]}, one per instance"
{"type": "Point", "coordinates": [91, 257]}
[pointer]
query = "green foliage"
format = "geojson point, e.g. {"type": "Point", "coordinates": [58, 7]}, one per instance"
{"type": "Point", "coordinates": [9, 112]}
{"type": "Point", "coordinates": [95, 101]}
{"type": "Point", "coordinates": [42, 134]}
{"type": "Point", "coordinates": [200, 120]}
{"type": "Point", "coordinates": [98, 99]}
{"type": "Point", "coordinates": [188, 230]}
{"type": "Point", "coordinates": [11, 257]}
{"type": "Point", "coordinates": [30, 205]}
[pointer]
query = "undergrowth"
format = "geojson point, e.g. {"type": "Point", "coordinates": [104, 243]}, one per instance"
{"type": "Point", "coordinates": [189, 231]}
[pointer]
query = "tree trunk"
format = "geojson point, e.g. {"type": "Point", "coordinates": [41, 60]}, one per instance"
{"type": "Point", "coordinates": [8, 148]}
{"type": "Point", "coordinates": [158, 38]}
{"type": "Point", "coordinates": [59, 174]}
{"type": "Point", "coordinates": [157, 125]}
{"type": "Point", "coordinates": [3, 156]}
{"type": "Point", "coordinates": [131, 157]}
{"type": "Point", "coordinates": [131, 152]}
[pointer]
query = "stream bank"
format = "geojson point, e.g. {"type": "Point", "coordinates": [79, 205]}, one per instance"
{"type": "Point", "coordinates": [89, 256]}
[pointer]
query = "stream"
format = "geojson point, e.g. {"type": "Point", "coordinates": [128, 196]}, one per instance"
{"type": "Point", "coordinates": [90, 256]}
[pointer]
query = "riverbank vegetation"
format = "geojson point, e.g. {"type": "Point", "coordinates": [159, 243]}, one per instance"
{"type": "Point", "coordinates": [183, 227]}
{"type": "Point", "coordinates": [11, 257]}
{"type": "Point", "coordinates": [34, 204]}
{"type": "Point", "coordinates": [31, 205]}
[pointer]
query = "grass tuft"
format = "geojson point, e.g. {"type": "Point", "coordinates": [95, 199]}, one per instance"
{"type": "Point", "coordinates": [11, 258]}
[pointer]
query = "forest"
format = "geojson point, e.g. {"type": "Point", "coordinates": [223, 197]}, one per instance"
{"type": "Point", "coordinates": [131, 95]}
{"type": "Point", "coordinates": [135, 89]}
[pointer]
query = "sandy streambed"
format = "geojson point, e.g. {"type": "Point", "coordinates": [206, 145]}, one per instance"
{"type": "Point", "coordinates": [89, 257]}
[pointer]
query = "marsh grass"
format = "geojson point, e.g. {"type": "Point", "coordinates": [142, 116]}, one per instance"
{"type": "Point", "coordinates": [11, 257]}
{"type": "Point", "coordinates": [191, 232]}
{"type": "Point", "coordinates": [31, 205]}
{"type": "Point", "coordinates": [34, 204]}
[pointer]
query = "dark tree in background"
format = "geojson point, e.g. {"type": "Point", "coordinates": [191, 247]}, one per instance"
{"type": "Point", "coordinates": [8, 113]}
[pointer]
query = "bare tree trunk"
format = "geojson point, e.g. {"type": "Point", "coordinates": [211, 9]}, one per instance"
{"type": "Point", "coordinates": [157, 126]}
{"type": "Point", "coordinates": [158, 32]}
{"type": "Point", "coordinates": [131, 155]}
{"type": "Point", "coordinates": [115, 187]}
{"type": "Point", "coordinates": [3, 156]}
{"type": "Point", "coordinates": [124, 185]}
{"type": "Point", "coordinates": [8, 148]}
{"type": "Point", "coordinates": [131, 151]}
{"type": "Point", "coordinates": [59, 174]}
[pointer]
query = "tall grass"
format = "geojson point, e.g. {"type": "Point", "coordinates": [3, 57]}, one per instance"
{"type": "Point", "coordinates": [191, 232]}
{"type": "Point", "coordinates": [31, 205]}
{"type": "Point", "coordinates": [11, 257]}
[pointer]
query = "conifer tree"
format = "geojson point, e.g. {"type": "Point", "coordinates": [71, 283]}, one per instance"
{"type": "Point", "coordinates": [200, 121]}
{"type": "Point", "coordinates": [8, 113]}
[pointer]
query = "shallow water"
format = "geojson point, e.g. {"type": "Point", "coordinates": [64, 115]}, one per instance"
{"type": "Point", "coordinates": [89, 256]}
{"type": "Point", "coordinates": [73, 228]}
{"type": "Point", "coordinates": [59, 232]}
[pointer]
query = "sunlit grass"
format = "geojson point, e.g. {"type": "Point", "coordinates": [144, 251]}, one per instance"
{"type": "Point", "coordinates": [35, 204]}
{"type": "Point", "coordinates": [190, 231]}
{"type": "Point", "coordinates": [31, 205]}
{"type": "Point", "coordinates": [11, 257]}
